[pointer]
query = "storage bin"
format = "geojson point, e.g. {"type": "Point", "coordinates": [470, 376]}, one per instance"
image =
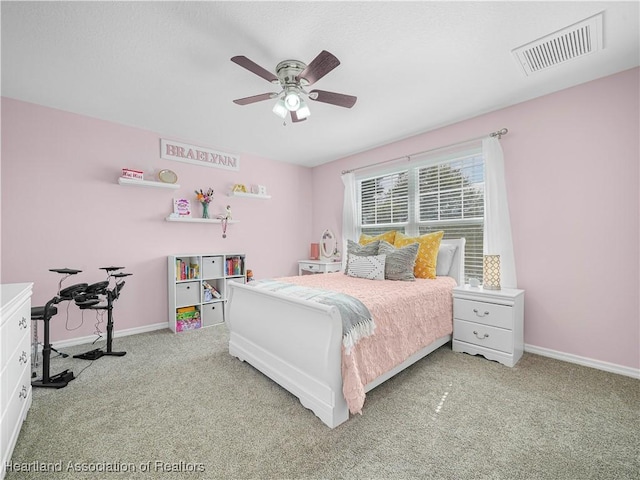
{"type": "Point", "coordinates": [212, 267]}
{"type": "Point", "coordinates": [187, 293]}
{"type": "Point", "coordinates": [212, 313]}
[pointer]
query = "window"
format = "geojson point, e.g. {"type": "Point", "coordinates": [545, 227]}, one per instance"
{"type": "Point", "coordinates": [384, 202]}
{"type": "Point", "coordinates": [445, 194]}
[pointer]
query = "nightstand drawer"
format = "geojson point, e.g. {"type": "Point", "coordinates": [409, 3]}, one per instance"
{"type": "Point", "coordinates": [486, 336]}
{"type": "Point", "coordinates": [310, 267]}
{"type": "Point", "coordinates": [484, 313]}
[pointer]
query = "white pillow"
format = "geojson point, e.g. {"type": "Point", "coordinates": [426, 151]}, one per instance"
{"type": "Point", "coordinates": [369, 267]}
{"type": "Point", "coordinates": [445, 259]}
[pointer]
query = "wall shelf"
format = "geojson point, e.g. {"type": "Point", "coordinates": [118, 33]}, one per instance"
{"type": "Point", "coordinates": [247, 194]}
{"type": "Point", "coordinates": [147, 183]}
{"type": "Point", "coordinates": [197, 220]}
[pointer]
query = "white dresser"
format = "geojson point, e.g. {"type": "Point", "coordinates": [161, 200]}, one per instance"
{"type": "Point", "coordinates": [15, 361]}
{"type": "Point", "coordinates": [489, 323]}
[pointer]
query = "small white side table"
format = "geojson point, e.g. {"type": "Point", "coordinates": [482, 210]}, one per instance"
{"type": "Point", "coordinates": [489, 323]}
{"type": "Point", "coordinates": [318, 266]}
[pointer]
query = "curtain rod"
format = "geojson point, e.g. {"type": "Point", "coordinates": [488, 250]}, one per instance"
{"type": "Point", "coordinates": [497, 133]}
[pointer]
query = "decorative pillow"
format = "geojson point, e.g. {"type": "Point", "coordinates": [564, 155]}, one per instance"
{"type": "Point", "coordinates": [445, 259]}
{"type": "Point", "coordinates": [370, 248]}
{"type": "Point", "coordinates": [400, 261]}
{"type": "Point", "coordinates": [371, 267]}
{"type": "Point", "coordinates": [389, 236]}
{"type": "Point", "coordinates": [354, 248]}
{"type": "Point", "coordinates": [427, 253]}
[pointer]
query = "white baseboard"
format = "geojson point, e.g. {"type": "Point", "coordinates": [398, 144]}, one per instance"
{"type": "Point", "coordinates": [545, 352]}
{"type": "Point", "coordinates": [587, 362]}
{"type": "Point", "coordinates": [119, 333]}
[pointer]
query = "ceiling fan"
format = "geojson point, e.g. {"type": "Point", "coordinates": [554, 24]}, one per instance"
{"type": "Point", "coordinates": [293, 76]}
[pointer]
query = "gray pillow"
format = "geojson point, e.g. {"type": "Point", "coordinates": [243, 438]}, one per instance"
{"type": "Point", "coordinates": [400, 262]}
{"type": "Point", "coordinates": [445, 259]}
{"type": "Point", "coordinates": [363, 250]}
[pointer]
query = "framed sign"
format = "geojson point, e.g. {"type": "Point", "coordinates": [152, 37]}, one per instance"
{"type": "Point", "coordinates": [195, 155]}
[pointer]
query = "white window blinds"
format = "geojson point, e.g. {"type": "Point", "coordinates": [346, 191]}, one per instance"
{"type": "Point", "coordinates": [384, 201]}
{"type": "Point", "coordinates": [428, 197]}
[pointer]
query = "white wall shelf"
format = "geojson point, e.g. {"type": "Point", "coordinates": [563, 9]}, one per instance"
{"type": "Point", "coordinates": [147, 183]}
{"type": "Point", "coordinates": [197, 220]}
{"type": "Point", "coordinates": [247, 194]}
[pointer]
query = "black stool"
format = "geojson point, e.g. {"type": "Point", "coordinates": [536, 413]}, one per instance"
{"type": "Point", "coordinates": [61, 379]}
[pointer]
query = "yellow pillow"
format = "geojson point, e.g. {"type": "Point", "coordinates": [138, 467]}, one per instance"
{"type": "Point", "coordinates": [389, 236]}
{"type": "Point", "coordinates": [425, 266]}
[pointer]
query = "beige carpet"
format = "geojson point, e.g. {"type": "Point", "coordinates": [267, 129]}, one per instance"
{"type": "Point", "coordinates": [179, 407]}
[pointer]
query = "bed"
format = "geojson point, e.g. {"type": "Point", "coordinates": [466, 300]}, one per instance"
{"type": "Point", "coordinates": [298, 343]}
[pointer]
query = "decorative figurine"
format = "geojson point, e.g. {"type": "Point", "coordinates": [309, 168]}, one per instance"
{"type": "Point", "coordinates": [225, 220]}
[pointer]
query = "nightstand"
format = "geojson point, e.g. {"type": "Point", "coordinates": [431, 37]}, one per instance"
{"type": "Point", "coordinates": [318, 266]}
{"type": "Point", "coordinates": [489, 323]}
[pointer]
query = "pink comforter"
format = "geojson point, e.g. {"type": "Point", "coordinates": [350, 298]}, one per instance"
{"type": "Point", "coordinates": [408, 316]}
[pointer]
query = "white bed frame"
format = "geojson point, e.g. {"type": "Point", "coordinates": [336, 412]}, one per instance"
{"type": "Point", "coordinates": [297, 343]}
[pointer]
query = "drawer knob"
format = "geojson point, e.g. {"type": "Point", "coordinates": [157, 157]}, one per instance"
{"type": "Point", "coordinates": [23, 392]}
{"type": "Point", "coordinates": [486, 335]}
{"type": "Point", "coordinates": [22, 323]}
{"type": "Point", "coordinates": [475, 310]}
{"type": "Point", "coordinates": [23, 358]}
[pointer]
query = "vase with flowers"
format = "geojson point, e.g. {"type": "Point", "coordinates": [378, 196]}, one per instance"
{"type": "Point", "coordinates": [205, 199]}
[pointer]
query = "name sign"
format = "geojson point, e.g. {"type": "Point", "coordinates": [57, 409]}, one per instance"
{"type": "Point", "coordinates": [198, 155]}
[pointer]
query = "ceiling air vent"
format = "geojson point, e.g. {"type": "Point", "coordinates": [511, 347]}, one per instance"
{"type": "Point", "coordinates": [574, 41]}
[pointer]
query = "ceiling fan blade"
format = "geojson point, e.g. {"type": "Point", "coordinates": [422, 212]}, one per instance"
{"type": "Point", "coordinates": [255, 98]}
{"type": "Point", "coordinates": [339, 99]}
{"type": "Point", "coordinates": [255, 68]}
{"type": "Point", "coordinates": [295, 118]}
{"type": "Point", "coordinates": [319, 67]}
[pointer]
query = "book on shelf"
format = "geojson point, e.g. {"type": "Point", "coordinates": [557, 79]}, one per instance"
{"type": "Point", "coordinates": [234, 265]}
{"type": "Point", "coordinates": [187, 271]}
{"type": "Point", "coordinates": [209, 292]}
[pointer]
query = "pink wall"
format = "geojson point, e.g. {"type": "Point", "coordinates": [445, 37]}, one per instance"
{"type": "Point", "coordinates": [573, 180]}
{"type": "Point", "coordinates": [62, 207]}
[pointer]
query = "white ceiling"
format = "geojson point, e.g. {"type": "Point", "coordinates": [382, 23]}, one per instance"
{"type": "Point", "coordinates": [414, 66]}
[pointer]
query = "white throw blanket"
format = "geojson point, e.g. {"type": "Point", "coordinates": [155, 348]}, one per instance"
{"type": "Point", "coordinates": [356, 318]}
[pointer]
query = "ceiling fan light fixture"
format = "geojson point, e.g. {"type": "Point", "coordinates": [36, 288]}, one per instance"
{"type": "Point", "coordinates": [292, 101]}
{"type": "Point", "coordinates": [303, 111]}
{"type": "Point", "coordinates": [280, 109]}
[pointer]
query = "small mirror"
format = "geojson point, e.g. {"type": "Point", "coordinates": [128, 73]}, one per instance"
{"type": "Point", "coordinates": [327, 245]}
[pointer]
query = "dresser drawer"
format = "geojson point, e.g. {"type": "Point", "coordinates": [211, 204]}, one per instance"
{"type": "Point", "coordinates": [212, 267]}
{"type": "Point", "coordinates": [12, 330]}
{"type": "Point", "coordinates": [19, 401]}
{"type": "Point", "coordinates": [187, 293]}
{"type": "Point", "coordinates": [486, 336]}
{"type": "Point", "coordinates": [14, 369]}
{"type": "Point", "coordinates": [483, 312]}
{"type": "Point", "coordinates": [212, 313]}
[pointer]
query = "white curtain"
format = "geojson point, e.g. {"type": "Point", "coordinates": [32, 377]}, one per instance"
{"type": "Point", "coordinates": [497, 225]}
{"type": "Point", "coordinates": [349, 214]}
